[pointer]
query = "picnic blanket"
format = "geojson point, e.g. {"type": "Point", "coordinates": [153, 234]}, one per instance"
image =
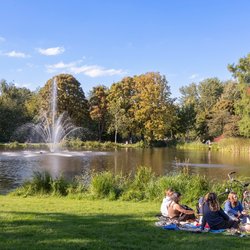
{"type": "Point", "coordinates": [195, 228]}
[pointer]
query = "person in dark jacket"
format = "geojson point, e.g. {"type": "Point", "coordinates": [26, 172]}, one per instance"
{"type": "Point", "coordinates": [214, 215]}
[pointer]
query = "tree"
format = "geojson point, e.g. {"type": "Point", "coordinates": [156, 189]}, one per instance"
{"type": "Point", "coordinates": [209, 91]}
{"type": "Point", "coordinates": [98, 108]}
{"type": "Point", "coordinates": [13, 112]}
{"type": "Point", "coordinates": [223, 119]}
{"type": "Point", "coordinates": [241, 73]}
{"type": "Point", "coordinates": [70, 99]}
{"type": "Point", "coordinates": [152, 106]}
{"type": "Point", "coordinates": [187, 111]}
{"type": "Point", "coordinates": [119, 107]}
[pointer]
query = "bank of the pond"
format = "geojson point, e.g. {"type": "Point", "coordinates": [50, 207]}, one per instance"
{"type": "Point", "coordinates": [235, 145]}
{"type": "Point", "coordinates": [63, 223]}
{"type": "Point", "coordinates": [70, 144]}
{"type": "Point", "coordinates": [144, 185]}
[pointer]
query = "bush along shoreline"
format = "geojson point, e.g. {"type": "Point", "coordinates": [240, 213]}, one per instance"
{"type": "Point", "coordinates": [235, 145]}
{"type": "Point", "coordinates": [144, 185]}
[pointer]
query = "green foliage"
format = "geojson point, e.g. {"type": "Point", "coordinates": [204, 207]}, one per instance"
{"type": "Point", "coordinates": [142, 186]}
{"type": "Point", "coordinates": [105, 185]}
{"type": "Point", "coordinates": [43, 184]}
{"type": "Point", "coordinates": [39, 184]}
{"type": "Point", "coordinates": [59, 186]}
{"type": "Point", "coordinates": [98, 109]}
{"type": "Point", "coordinates": [138, 185]}
{"type": "Point", "coordinates": [13, 112]}
{"type": "Point", "coordinates": [71, 99]}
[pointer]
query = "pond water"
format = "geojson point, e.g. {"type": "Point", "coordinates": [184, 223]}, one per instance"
{"type": "Point", "coordinates": [18, 166]}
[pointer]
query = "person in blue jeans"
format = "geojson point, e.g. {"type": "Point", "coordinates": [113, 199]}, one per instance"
{"type": "Point", "coordinates": [234, 208]}
{"type": "Point", "coordinates": [214, 215]}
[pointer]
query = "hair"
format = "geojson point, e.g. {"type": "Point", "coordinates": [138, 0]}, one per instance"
{"type": "Point", "coordinates": [212, 200]}
{"type": "Point", "coordinates": [169, 191]}
{"type": "Point", "coordinates": [175, 197]}
{"type": "Point", "coordinates": [232, 199]}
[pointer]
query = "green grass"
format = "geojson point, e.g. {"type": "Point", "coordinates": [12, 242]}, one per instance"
{"type": "Point", "coordinates": [63, 223]}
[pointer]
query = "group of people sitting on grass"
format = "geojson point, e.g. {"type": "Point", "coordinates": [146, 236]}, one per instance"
{"type": "Point", "coordinates": [211, 214]}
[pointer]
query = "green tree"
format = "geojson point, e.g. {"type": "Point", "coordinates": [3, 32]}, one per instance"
{"type": "Point", "coordinates": [13, 112]}
{"type": "Point", "coordinates": [209, 91]}
{"type": "Point", "coordinates": [187, 111]}
{"type": "Point", "coordinates": [241, 73]}
{"type": "Point", "coordinates": [98, 108]}
{"type": "Point", "coordinates": [70, 99]}
{"type": "Point", "coordinates": [119, 107]}
{"type": "Point", "coordinates": [223, 119]}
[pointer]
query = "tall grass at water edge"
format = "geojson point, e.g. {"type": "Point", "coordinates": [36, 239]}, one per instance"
{"type": "Point", "coordinates": [235, 145]}
{"type": "Point", "coordinates": [144, 185]}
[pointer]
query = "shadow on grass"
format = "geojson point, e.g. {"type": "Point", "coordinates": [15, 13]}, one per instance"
{"type": "Point", "coordinates": [27, 230]}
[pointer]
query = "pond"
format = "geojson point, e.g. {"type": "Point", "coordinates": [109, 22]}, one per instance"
{"type": "Point", "coordinates": [18, 166]}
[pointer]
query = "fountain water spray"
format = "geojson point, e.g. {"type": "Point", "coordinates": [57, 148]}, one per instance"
{"type": "Point", "coordinates": [55, 128]}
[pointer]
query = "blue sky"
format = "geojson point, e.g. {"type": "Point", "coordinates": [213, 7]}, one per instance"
{"type": "Point", "coordinates": [102, 41]}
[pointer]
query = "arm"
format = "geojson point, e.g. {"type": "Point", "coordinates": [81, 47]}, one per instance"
{"type": "Point", "coordinates": [223, 214]}
{"type": "Point", "coordinates": [203, 222]}
{"type": "Point", "coordinates": [228, 208]}
{"type": "Point", "coordinates": [182, 210]}
{"type": "Point", "coordinates": [240, 207]}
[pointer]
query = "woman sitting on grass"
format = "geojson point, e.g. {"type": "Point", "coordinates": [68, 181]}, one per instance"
{"type": "Point", "coordinates": [177, 211]}
{"type": "Point", "coordinates": [234, 208]}
{"type": "Point", "coordinates": [214, 215]}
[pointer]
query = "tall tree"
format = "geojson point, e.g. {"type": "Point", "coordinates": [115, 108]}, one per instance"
{"type": "Point", "coordinates": [187, 111]}
{"type": "Point", "coordinates": [13, 112]}
{"type": "Point", "coordinates": [223, 119]}
{"type": "Point", "coordinates": [98, 108]}
{"type": "Point", "coordinates": [152, 106]}
{"type": "Point", "coordinates": [209, 91]}
{"type": "Point", "coordinates": [241, 72]}
{"type": "Point", "coordinates": [70, 99]}
{"type": "Point", "coordinates": [119, 107]}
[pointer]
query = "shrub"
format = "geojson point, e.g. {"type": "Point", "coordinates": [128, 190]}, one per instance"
{"type": "Point", "coordinates": [105, 185]}
{"type": "Point", "coordinates": [137, 187]}
{"type": "Point", "coordinates": [59, 186]}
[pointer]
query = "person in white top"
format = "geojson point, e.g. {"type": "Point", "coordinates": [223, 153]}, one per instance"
{"type": "Point", "coordinates": [166, 201]}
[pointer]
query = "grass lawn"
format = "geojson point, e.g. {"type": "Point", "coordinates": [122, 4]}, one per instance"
{"type": "Point", "coordinates": [64, 223]}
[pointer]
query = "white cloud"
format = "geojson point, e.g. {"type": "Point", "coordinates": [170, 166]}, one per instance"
{"type": "Point", "coordinates": [88, 70]}
{"type": "Point", "coordinates": [96, 71]}
{"type": "Point", "coordinates": [14, 53]}
{"type": "Point", "coordinates": [61, 65]}
{"type": "Point", "coordinates": [2, 39]}
{"type": "Point", "coordinates": [51, 51]}
{"type": "Point", "coordinates": [194, 76]}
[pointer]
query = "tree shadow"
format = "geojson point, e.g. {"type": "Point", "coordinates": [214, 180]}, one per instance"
{"type": "Point", "coordinates": [32, 230]}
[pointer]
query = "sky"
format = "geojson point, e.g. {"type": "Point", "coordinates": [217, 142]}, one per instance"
{"type": "Point", "coordinates": [100, 42]}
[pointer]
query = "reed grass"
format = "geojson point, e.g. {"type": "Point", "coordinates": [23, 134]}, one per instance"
{"type": "Point", "coordinates": [142, 186]}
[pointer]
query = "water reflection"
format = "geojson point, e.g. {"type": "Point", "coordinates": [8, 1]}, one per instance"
{"type": "Point", "coordinates": [15, 167]}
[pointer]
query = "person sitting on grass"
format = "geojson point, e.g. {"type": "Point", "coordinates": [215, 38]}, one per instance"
{"type": "Point", "coordinates": [166, 201]}
{"type": "Point", "coordinates": [177, 211]}
{"type": "Point", "coordinates": [214, 215]}
{"type": "Point", "coordinates": [234, 208]}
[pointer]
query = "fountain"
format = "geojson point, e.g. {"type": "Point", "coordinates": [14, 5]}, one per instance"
{"type": "Point", "coordinates": [53, 129]}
